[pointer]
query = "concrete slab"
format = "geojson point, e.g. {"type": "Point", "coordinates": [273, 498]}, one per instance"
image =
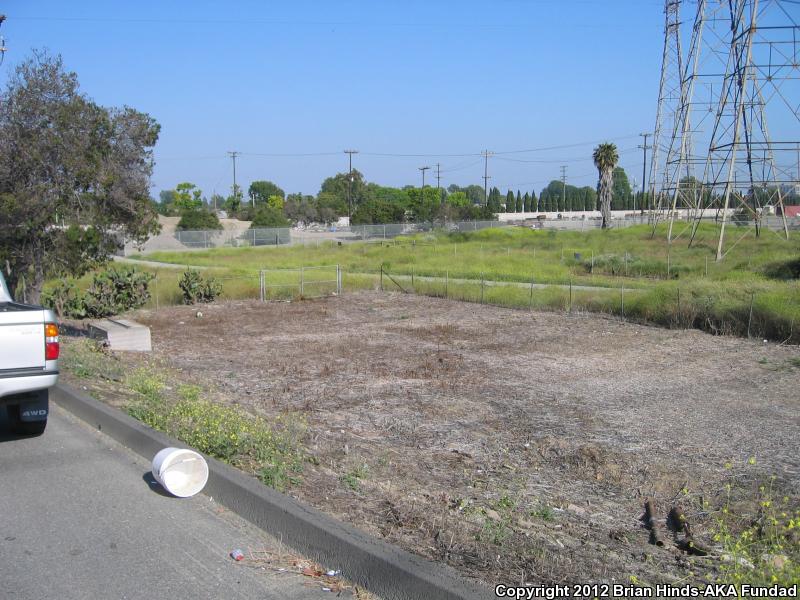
{"type": "Point", "coordinates": [122, 334]}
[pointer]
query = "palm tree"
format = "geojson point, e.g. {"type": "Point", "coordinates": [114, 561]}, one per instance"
{"type": "Point", "coordinates": [605, 158]}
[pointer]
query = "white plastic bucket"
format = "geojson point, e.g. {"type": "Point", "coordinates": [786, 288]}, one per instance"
{"type": "Point", "coordinates": [181, 472]}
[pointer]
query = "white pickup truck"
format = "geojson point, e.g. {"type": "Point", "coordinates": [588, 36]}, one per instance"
{"type": "Point", "coordinates": [28, 362]}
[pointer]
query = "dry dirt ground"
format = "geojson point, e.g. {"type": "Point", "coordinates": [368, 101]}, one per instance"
{"type": "Point", "coordinates": [514, 446]}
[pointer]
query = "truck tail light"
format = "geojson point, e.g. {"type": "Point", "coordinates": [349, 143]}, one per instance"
{"type": "Point", "coordinates": [51, 348]}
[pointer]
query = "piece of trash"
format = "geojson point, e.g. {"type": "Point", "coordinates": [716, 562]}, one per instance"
{"type": "Point", "coordinates": [326, 589]}
{"type": "Point", "coordinates": [199, 314]}
{"type": "Point", "coordinates": [181, 472]}
{"type": "Point", "coordinates": [237, 555]}
{"type": "Point", "coordinates": [332, 573]}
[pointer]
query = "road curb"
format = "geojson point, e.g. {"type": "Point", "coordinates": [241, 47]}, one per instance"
{"type": "Point", "coordinates": [386, 570]}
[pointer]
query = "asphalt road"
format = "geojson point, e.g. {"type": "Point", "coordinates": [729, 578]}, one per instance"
{"type": "Point", "coordinates": [81, 517]}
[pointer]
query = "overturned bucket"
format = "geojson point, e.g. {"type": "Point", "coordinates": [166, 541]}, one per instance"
{"type": "Point", "coordinates": [181, 472]}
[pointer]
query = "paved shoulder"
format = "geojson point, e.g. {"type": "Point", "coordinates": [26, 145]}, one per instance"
{"type": "Point", "coordinates": [78, 519]}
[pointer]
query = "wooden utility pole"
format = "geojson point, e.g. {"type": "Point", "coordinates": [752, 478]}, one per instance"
{"type": "Point", "coordinates": [644, 148]}
{"type": "Point", "coordinates": [486, 178]}
{"type": "Point", "coordinates": [423, 169]}
{"type": "Point", "coordinates": [233, 154]}
{"type": "Point", "coordinates": [350, 183]}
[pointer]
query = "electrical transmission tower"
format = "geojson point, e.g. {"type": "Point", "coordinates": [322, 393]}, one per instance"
{"type": "Point", "coordinates": [712, 150]}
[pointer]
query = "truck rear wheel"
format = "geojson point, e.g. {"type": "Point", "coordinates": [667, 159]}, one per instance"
{"type": "Point", "coordinates": [21, 427]}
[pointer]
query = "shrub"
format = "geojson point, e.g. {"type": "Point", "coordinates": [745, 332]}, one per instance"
{"type": "Point", "coordinates": [198, 219]}
{"type": "Point", "coordinates": [65, 298]}
{"type": "Point", "coordinates": [111, 292]}
{"type": "Point", "coordinates": [197, 289]}
{"type": "Point", "coordinates": [786, 270]}
{"type": "Point", "coordinates": [115, 291]}
{"type": "Point", "coordinates": [267, 216]}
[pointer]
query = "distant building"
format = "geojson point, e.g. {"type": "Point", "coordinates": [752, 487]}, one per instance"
{"type": "Point", "coordinates": [791, 211]}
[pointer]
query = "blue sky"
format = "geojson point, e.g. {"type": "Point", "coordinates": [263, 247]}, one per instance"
{"type": "Point", "coordinates": [390, 77]}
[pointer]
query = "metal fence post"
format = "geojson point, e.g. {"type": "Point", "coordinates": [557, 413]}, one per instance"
{"type": "Point", "coordinates": [412, 279]}
{"type": "Point", "coordinates": [482, 286]}
{"type": "Point", "coordinates": [750, 316]}
{"type": "Point", "coordinates": [530, 300]}
{"type": "Point", "coordinates": [446, 282]}
{"type": "Point", "coordinates": [622, 298]}
{"type": "Point", "coordinates": [381, 276]}
{"type": "Point", "coordinates": [205, 239]}
{"type": "Point", "coordinates": [570, 295]}
{"type": "Point", "coordinates": [301, 281]}
{"type": "Point", "coordinates": [338, 280]}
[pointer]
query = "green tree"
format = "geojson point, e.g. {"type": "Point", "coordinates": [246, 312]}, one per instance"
{"type": "Point", "coordinates": [68, 162]}
{"type": "Point", "coordinates": [473, 192]}
{"type": "Point", "coordinates": [605, 158]}
{"type": "Point", "coordinates": [620, 189]}
{"type": "Point", "coordinates": [520, 204]}
{"type": "Point", "coordinates": [193, 219]}
{"type": "Point", "coordinates": [267, 216]}
{"type": "Point", "coordinates": [260, 191]}
{"type": "Point", "coordinates": [589, 198]}
{"type": "Point", "coordinates": [339, 184]}
{"type": "Point", "coordinates": [511, 202]}
{"type": "Point", "coordinates": [188, 196]}
{"type": "Point", "coordinates": [423, 203]}
{"type": "Point", "coordinates": [376, 210]}
{"type": "Point", "coordinates": [330, 204]}
{"type": "Point", "coordinates": [233, 203]}
{"type": "Point", "coordinates": [526, 202]}
{"type": "Point", "coordinates": [494, 203]}
{"type": "Point", "coordinates": [275, 201]}
{"type": "Point", "coordinates": [458, 199]}
{"type": "Point", "coordinates": [166, 203]}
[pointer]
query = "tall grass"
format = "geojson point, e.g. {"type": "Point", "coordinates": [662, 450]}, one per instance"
{"type": "Point", "coordinates": [669, 284]}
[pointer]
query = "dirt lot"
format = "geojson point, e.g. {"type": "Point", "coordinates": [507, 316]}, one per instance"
{"type": "Point", "coordinates": [514, 446]}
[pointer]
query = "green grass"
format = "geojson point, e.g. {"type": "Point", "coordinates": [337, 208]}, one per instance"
{"type": "Point", "coordinates": [672, 285]}
{"type": "Point", "coordinates": [269, 450]}
{"type": "Point", "coordinates": [272, 451]}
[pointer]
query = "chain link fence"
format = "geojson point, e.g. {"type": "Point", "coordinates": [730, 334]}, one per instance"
{"type": "Point", "coordinates": [248, 237]}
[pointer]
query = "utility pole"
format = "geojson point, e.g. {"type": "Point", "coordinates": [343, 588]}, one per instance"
{"type": "Point", "coordinates": [438, 177]}
{"type": "Point", "coordinates": [634, 194]}
{"type": "Point", "coordinates": [644, 148]}
{"type": "Point", "coordinates": [486, 177]}
{"type": "Point", "coordinates": [350, 184]}
{"type": "Point", "coordinates": [2, 42]}
{"type": "Point", "coordinates": [423, 169]}
{"type": "Point", "coordinates": [233, 154]}
{"type": "Point", "coordinates": [564, 186]}
{"type": "Point", "coordinates": [797, 182]}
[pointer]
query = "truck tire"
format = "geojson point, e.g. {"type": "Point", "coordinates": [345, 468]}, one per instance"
{"type": "Point", "coordinates": [21, 427]}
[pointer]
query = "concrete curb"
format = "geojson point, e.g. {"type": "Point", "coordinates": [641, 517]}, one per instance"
{"type": "Point", "coordinates": [390, 572]}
